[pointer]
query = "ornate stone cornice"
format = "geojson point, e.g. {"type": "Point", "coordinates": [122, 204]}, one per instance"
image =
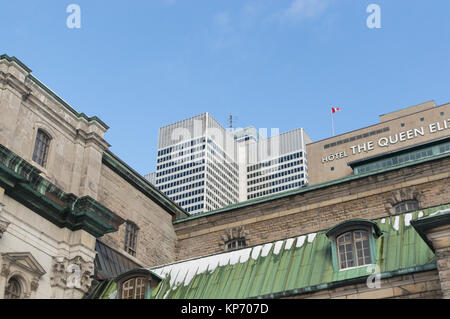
{"type": "Point", "coordinates": [22, 182]}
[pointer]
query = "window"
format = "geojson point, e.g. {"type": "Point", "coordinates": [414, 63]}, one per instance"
{"type": "Point", "coordinates": [13, 289]}
{"type": "Point", "coordinates": [235, 243]}
{"type": "Point", "coordinates": [131, 238]}
{"type": "Point", "coordinates": [134, 288]}
{"type": "Point", "coordinates": [41, 146]}
{"type": "Point", "coordinates": [354, 249]}
{"type": "Point", "coordinates": [406, 206]}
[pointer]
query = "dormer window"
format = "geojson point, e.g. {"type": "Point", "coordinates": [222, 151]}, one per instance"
{"type": "Point", "coordinates": [41, 146]}
{"type": "Point", "coordinates": [134, 288]}
{"type": "Point", "coordinates": [353, 243]}
{"type": "Point", "coordinates": [406, 206]}
{"type": "Point", "coordinates": [354, 249]}
{"type": "Point", "coordinates": [137, 284]}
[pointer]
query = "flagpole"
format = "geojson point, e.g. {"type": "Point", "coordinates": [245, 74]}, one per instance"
{"type": "Point", "coordinates": [332, 125]}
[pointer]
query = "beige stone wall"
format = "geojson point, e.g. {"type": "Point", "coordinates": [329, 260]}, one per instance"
{"type": "Point", "coordinates": [423, 285]}
{"type": "Point", "coordinates": [51, 246]}
{"type": "Point", "coordinates": [77, 145]}
{"type": "Point", "coordinates": [156, 237]}
{"type": "Point", "coordinates": [320, 171]}
{"type": "Point", "coordinates": [370, 197]}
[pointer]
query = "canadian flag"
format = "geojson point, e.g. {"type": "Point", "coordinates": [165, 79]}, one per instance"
{"type": "Point", "coordinates": [335, 109]}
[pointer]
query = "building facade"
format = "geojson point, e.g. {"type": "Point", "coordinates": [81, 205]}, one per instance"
{"type": "Point", "coordinates": [377, 233]}
{"type": "Point", "coordinates": [203, 167]}
{"type": "Point", "coordinates": [64, 196]}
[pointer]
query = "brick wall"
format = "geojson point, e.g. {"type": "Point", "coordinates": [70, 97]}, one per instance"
{"type": "Point", "coordinates": [319, 209]}
{"type": "Point", "coordinates": [156, 236]}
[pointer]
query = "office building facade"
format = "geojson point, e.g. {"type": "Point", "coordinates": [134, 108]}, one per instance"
{"type": "Point", "coordinates": [202, 166]}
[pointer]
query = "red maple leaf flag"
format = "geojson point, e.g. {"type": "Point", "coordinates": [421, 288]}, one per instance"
{"type": "Point", "coordinates": [335, 109]}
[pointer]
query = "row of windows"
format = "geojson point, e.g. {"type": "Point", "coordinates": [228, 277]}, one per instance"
{"type": "Point", "coordinates": [222, 169]}
{"type": "Point", "coordinates": [399, 159]}
{"type": "Point", "coordinates": [274, 183]}
{"type": "Point", "coordinates": [224, 155]}
{"type": "Point", "coordinates": [181, 181]}
{"type": "Point", "coordinates": [188, 194]}
{"type": "Point", "coordinates": [218, 178]}
{"type": "Point", "coordinates": [215, 198]}
{"type": "Point", "coordinates": [181, 146]}
{"type": "Point", "coordinates": [273, 169]}
{"type": "Point", "coordinates": [175, 176]}
{"type": "Point", "coordinates": [216, 189]}
{"type": "Point", "coordinates": [357, 137]}
{"type": "Point", "coordinates": [275, 161]}
{"type": "Point", "coordinates": [191, 201]}
{"type": "Point", "coordinates": [185, 187]}
{"type": "Point", "coordinates": [224, 165]}
{"type": "Point", "coordinates": [177, 155]}
{"type": "Point", "coordinates": [276, 190]}
{"type": "Point", "coordinates": [274, 176]}
{"type": "Point", "coordinates": [182, 167]}
{"type": "Point", "coordinates": [194, 208]}
{"type": "Point", "coordinates": [180, 161]}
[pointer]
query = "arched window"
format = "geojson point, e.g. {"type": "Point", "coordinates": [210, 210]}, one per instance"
{"type": "Point", "coordinates": [406, 206]}
{"type": "Point", "coordinates": [134, 288]}
{"type": "Point", "coordinates": [41, 147]}
{"type": "Point", "coordinates": [13, 289]}
{"type": "Point", "coordinates": [235, 243]}
{"type": "Point", "coordinates": [354, 249]}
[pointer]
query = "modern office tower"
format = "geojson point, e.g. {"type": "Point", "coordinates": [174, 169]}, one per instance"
{"type": "Point", "coordinates": [196, 164]}
{"type": "Point", "coordinates": [277, 163]}
{"type": "Point", "coordinates": [202, 166]}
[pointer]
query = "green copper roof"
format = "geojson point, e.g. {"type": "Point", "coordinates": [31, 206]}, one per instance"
{"type": "Point", "coordinates": [295, 265]}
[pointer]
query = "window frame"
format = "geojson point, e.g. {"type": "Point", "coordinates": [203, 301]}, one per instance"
{"type": "Point", "coordinates": [131, 237]}
{"type": "Point", "coordinates": [45, 156]}
{"type": "Point", "coordinates": [373, 232]}
{"type": "Point", "coordinates": [355, 254]}
{"type": "Point", "coordinates": [150, 282]}
{"type": "Point", "coordinates": [236, 241]}
{"type": "Point", "coordinates": [408, 208]}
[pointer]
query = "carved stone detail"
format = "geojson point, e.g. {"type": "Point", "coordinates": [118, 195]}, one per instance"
{"type": "Point", "coordinates": [401, 195]}
{"type": "Point", "coordinates": [75, 273]}
{"type": "Point", "coordinates": [3, 226]}
{"type": "Point", "coordinates": [5, 270]}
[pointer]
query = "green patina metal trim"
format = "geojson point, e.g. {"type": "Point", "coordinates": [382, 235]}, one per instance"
{"type": "Point", "coordinates": [309, 188]}
{"type": "Point", "coordinates": [141, 184]}
{"type": "Point", "coordinates": [23, 183]}
{"type": "Point", "coordinates": [348, 282]}
{"type": "Point", "coordinates": [52, 94]}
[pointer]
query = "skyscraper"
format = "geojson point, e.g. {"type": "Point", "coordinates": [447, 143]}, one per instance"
{"type": "Point", "coordinates": [202, 166]}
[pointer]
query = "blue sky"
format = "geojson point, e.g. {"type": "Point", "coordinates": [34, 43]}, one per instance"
{"type": "Point", "coordinates": [139, 65]}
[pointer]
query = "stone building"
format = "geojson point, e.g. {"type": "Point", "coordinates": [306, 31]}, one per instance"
{"type": "Point", "coordinates": [64, 197]}
{"type": "Point", "coordinates": [380, 228]}
{"type": "Point", "coordinates": [377, 225]}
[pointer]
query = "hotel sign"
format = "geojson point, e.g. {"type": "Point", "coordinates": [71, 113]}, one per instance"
{"type": "Point", "coordinates": [389, 140]}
